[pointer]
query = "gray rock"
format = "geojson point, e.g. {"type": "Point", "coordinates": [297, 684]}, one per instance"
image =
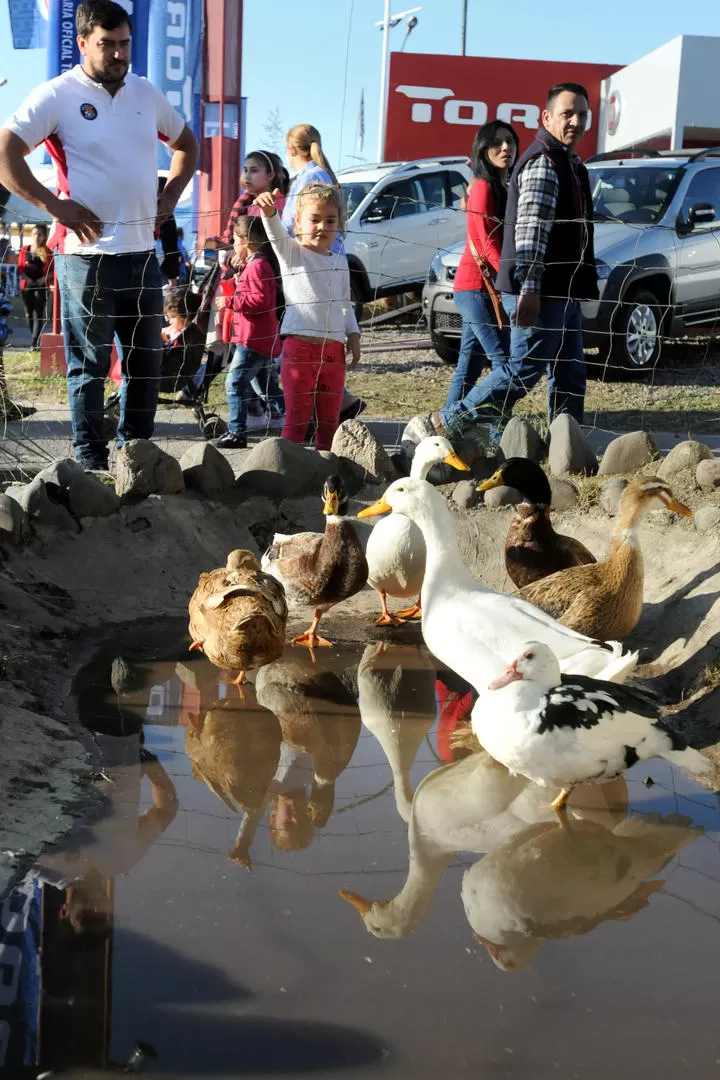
{"type": "Point", "coordinates": [466, 494]}
{"type": "Point", "coordinates": [520, 439]}
{"type": "Point", "coordinates": [144, 469]}
{"type": "Point", "coordinates": [483, 468]}
{"type": "Point", "coordinates": [707, 518]}
{"type": "Point", "coordinates": [610, 495]}
{"type": "Point", "coordinates": [206, 470]}
{"type": "Point", "coordinates": [686, 455]}
{"type": "Point", "coordinates": [301, 515]}
{"type": "Point", "coordinates": [628, 453]}
{"type": "Point", "coordinates": [414, 432]}
{"type": "Point", "coordinates": [355, 442]}
{"type": "Point", "coordinates": [14, 522]}
{"type": "Point", "coordinates": [401, 463]}
{"type": "Point", "coordinates": [41, 508]}
{"type": "Point", "coordinates": [87, 495]}
{"type": "Point", "coordinates": [707, 472]}
{"type": "Point", "coordinates": [502, 496]}
{"type": "Point", "coordinates": [570, 451]}
{"type": "Point", "coordinates": [280, 469]}
{"type": "Point", "coordinates": [564, 494]}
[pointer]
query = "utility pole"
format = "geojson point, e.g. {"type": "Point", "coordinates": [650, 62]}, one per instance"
{"type": "Point", "coordinates": [383, 82]}
{"type": "Point", "coordinates": [463, 28]}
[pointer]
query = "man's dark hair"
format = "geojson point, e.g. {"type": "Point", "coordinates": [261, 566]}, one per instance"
{"type": "Point", "coordinates": [104, 13]}
{"type": "Point", "coordinates": [560, 88]}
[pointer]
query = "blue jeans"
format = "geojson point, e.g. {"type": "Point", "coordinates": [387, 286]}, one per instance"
{"type": "Point", "coordinates": [100, 296]}
{"type": "Point", "coordinates": [482, 342]}
{"type": "Point", "coordinates": [245, 366]}
{"type": "Point", "coordinates": [553, 345]}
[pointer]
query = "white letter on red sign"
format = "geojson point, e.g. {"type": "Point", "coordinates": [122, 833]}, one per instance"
{"type": "Point", "coordinates": [478, 112]}
{"type": "Point", "coordinates": [527, 115]}
{"type": "Point", "coordinates": [421, 111]}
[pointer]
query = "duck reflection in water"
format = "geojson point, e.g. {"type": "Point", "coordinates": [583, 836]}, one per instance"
{"type": "Point", "coordinates": [396, 685]}
{"type": "Point", "coordinates": [538, 880]}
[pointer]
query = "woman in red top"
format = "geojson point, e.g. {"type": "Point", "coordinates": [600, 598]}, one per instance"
{"type": "Point", "coordinates": [255, 326]}
{"type": "Point", "coordinates": [494, 151]}
{"type": "Point", "coordinates": [33, 266]}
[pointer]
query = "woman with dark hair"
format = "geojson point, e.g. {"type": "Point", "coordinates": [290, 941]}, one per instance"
{"type": "Point", "coordinates": [33, 266]}
{"type": "Point", "coordinates": [494, 151]}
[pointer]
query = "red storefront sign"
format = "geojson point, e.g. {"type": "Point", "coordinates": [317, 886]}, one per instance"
{"type": "Point", "coordinates": [437, 103]}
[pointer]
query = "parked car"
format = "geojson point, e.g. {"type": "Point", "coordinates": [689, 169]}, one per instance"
{"type": "Point", "coordinates": [398, 214]}
{"type": "Point", "coordinates": [657, 243]}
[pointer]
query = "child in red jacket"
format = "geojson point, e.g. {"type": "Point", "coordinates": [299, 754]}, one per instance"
{"type": "Point", "coordinates": [255, 328]}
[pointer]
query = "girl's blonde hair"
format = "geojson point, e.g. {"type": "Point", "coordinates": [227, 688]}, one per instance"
{"type": "Point", "coordinates": [306, 138]}
{"type": "Point", "coordinates": [324, 193]}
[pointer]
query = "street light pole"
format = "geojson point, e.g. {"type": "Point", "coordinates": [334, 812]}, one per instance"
{"type": "Point", "coordinates": [463, 28]}
{"type": "Point", "coordinates": [383, 82]}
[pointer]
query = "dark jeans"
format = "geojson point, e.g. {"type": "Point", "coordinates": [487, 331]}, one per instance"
{"type": "Point", "coordinates": [100, 296]}
{"type": "Point", "coordinates": [553, 345]}
{"type": "Point", "coordinates": [246, 365]}
{"type": "Point", "coordinates": [482, 342]}
{"type": "Point", "coordinates": [34, 301]}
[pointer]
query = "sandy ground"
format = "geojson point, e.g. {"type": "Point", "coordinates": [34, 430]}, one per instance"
{"type": "Point", "coordinates": [65, 591]}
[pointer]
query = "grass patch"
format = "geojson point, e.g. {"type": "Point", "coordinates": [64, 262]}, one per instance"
{"type": "Point", "coordinates": [24, 380]}
{"type": "Point", "coordinates": [589, 489]}
{"type": "Point", "coordinates": [711, 676]}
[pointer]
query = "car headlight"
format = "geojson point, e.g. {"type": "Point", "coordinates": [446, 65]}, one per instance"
{"type": "Point", "coordinates": [436, 269]}
{"type": "Point", "coordinates": [603, 270]}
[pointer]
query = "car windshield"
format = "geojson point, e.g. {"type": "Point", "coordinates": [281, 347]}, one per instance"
{"type": "Point", "coordinates": [637, 194]}
{"type": "Point", "coordinates": [354, 194]}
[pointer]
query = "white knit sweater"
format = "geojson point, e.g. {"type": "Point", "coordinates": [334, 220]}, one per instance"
{"type": "Point", "coordinates": [316, 287]}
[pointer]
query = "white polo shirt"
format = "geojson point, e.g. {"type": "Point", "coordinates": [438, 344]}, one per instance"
{"type": "Point", "coordinates": [105, 152]}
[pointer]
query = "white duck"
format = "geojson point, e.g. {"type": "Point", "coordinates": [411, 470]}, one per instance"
{"type": "Point", "coordinates": [396, 550]}
{"type": "Point", "coordinates": [396, 698]}
{"type": "Point", "coordinates": [471, 628]}
{"type": "Point", "coordinates": [549, 883]}
{"type": "Point", "coordinates": [561, 731]}
{"type": "Point", "coordinates": [472, 805]}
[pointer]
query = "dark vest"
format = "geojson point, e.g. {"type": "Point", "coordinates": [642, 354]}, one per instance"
{"type": "Point", "coordinates": [569, 264]}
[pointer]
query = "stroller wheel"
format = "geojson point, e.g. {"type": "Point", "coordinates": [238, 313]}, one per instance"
{"type": "Point", "coordinates": [213, 426]}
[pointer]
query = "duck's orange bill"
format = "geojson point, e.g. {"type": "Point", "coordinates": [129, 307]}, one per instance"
{"type": "Point", "coordinates": [379, 507]}
{"type": "Point", "coordinates": [456, 462]}
{"type": "Point", "coordinates": [679, 508]}
{"type": "Point", "coordinates": [195, 646]}
{"type": "Point", "coordinates": [358, 902]}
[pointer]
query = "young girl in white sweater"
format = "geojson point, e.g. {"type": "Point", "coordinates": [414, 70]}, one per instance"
{"type": "Point", "coordinates": [319, 322]}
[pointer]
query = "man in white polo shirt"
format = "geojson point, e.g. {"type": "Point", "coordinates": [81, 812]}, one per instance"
{"type": "Point", "coordinates": [101, 124]}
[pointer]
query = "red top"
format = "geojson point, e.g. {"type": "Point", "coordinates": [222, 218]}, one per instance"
{"type": "Point", "coordinates": [31, 267]}
{"type": "Point", "coordinates": [486, 231]}
{"type": "Point", "coordinates": [255, 322]}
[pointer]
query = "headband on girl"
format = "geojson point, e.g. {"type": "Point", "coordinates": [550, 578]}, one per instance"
{"type": "Point", "coordinates": [261, 153]}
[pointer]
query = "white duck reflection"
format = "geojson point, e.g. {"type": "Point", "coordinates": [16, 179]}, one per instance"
{"type": "Point", "coordinates": [549, 882]}
{"type": "Point", "coordinates": [475, 805]}
{"type": "Point", "coordinates": [396, 686]}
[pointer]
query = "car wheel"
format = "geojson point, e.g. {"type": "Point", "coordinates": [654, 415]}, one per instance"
{"type": "Point", "coordinates": [635, 335]}
{"type": "Point", "coordinates": [447, 348]}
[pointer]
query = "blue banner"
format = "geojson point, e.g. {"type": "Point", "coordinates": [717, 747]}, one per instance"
{"type": "Point", "coordinates": [62, 49]}
{"type": "Point", "coordinates": [175, 55]}
{"type": "Point", "coordinates": [28, 23]}
{"type": "Point", "coordinates": [20, 918]}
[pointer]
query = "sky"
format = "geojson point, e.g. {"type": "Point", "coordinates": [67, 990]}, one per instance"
{"type": "Point", "coordinates": [312, 59]}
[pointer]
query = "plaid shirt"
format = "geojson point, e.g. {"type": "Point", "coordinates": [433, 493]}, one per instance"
{"type": "Point", "coordinates": [538, 194]}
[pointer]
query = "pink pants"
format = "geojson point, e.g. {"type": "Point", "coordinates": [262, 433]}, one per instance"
{"type": "Point", "coordinates": [313, 377]}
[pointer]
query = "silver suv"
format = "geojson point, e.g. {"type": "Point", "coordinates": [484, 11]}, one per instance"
{"type": "Point", "coordinates": [398, 215]}
{"type": "Point", "coordinates": [657, 243]}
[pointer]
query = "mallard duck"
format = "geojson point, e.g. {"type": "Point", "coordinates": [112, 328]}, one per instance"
{"type": "Point", "coordinates": [238, 615]}
{"type": "Point", "coordinates": [532, 547]}
{"type": "Point", "coordinates": [605, 600]}
{"type": "Point", "coordinates": [471, 628]}
{"type": "Point", "coordinates": [559, 731]}
{"type": "Point", "coordinates": [548, 883]}
{"type": "Point", "coordinates": [473, 805]}
{"type": "Point", "coordinates": [320, 569]}
{"type": "Point", "coordinates": [395, 549]}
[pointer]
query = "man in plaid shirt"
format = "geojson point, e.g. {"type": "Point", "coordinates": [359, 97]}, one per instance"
{"type": "Point", "coordinates": [547, 266]}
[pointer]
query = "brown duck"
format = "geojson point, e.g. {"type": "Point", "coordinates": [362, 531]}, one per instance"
{"type": "Point", "coordinates": [605, 600]}
{"type": "Point", "coordinates": [238, 615]}
{"type": "Point", "coordinates": [320, 569]}
{"type": "Point", "coordinates": [533, 549]}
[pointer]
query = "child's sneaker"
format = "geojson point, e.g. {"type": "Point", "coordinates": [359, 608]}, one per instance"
{"type": "Point", "coordinates": [228, 441]}
{"type": "Point", "coordinates": [259, 422]}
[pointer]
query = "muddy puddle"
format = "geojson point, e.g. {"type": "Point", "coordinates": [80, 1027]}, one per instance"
{"type": "Point", "coordinates": [191, 923]}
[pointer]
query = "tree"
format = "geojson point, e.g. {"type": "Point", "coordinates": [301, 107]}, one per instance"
{"type": "Point", "coordinates": [274, 132]}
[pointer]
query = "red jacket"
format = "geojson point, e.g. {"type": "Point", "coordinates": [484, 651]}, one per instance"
{"type": "Point", "coordinates": [486, 230]}
{"type": "Point", "coordinates": [32, 267]}
{"type": "Point", "coordinates": [255, 322]}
